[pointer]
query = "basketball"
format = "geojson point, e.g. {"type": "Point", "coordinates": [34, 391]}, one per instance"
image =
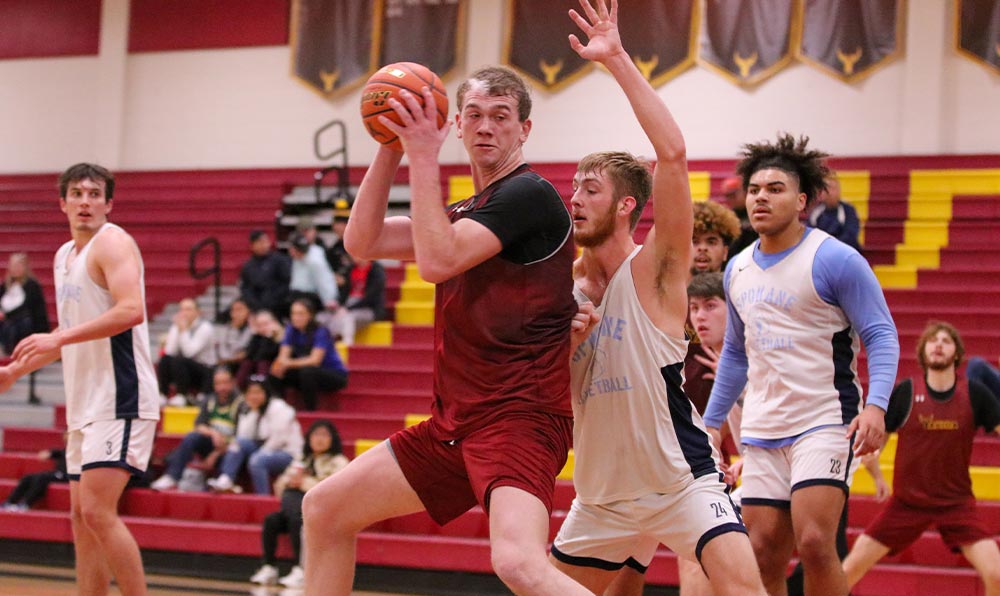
{"type": "Point", "coordinates": [386, 83]}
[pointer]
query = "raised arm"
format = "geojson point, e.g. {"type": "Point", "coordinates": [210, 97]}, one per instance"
{"type": "Point", "coordinates": [670, 241]}
{"type": "Point", "coordinates": [370, 234]}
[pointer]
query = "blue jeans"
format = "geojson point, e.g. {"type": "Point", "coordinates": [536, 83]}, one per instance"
{"type": "Point", "coordinates": [192, 443]}
{"type": "Point", "coordinates": [260, 464]}
{"type": "Point", "coordinates": [984, 372]}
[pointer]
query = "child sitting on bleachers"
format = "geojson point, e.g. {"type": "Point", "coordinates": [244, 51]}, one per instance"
{"type": "Point", "coordinates": [32, 487]}
{"type": "Point", "coordinates": [322, 456]}
{"type": "Point", "coordinates": [262, 349]}
{"type": "Point", "coordinates": [233, 337]}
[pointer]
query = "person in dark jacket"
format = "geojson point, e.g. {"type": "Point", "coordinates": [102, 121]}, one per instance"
{"type": "Point", "coordinates": [22, 304]}
{"type": "Point", "coordinates": [265, 276]}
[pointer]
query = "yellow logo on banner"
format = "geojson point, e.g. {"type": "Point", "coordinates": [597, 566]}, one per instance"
{"type": "Point", "coordinates": [646, 67]}
{"type": "Point", "coordinates": [551, 71]}
{"type": "Point", "coordinates": [849, 60]}
{"type": "Point", "coordinates": [745, 64]}
{"type": "Point", "coordinates": [329, 79]}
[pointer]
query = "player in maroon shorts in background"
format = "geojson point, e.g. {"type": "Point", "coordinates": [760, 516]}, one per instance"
{"type": "Point", "coordinates": [501, 420]}
{"type": "Point", "coordinates": [931, 484]}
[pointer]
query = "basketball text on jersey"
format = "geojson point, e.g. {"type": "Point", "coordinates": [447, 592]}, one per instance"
{"type": "Point", "coordinates": [614, 329]}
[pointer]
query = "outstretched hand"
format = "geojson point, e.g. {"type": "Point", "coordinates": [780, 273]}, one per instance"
{"type": "Point", "coordinates": [601, 29]}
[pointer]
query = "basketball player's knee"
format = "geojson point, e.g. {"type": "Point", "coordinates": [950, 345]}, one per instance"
{"type": "Point", "coordinates": [312, 509]}
{"type": "Point", "coordinates": [98, 518]}
{"type": "Point", "coordinates": [323, 513]}
{"type": "Point", "coordinates": [991, 577]}
{"type": "Point", "coordinates": [76, 516]}
{"type": "Point", "coordinates": [817, 547]}
{"type": "Point", "coordinates": [516, 568]}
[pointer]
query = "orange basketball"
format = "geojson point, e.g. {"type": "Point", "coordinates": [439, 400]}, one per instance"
{"type": "Point", "coordinates": [387, 82]}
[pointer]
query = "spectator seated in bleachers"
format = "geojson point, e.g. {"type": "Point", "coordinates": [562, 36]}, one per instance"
{"type": "Point", "coordinates": [214, 429]}
{"type": "Point", "coordinates": [232, 339]}
{"type": "Point", "coordinates": [268, 438]}
{"type": "Point", "coordinates": [185, 369]}
{"type": "Point", "coordinates": [311, 274]}
{"type": "Point", "coordinates": [262, 348]}
{"type": "Point", "coordinates": [307, 360]}
{"type": "Point", "coordinates": [835, 217]}
{"type": "Point", "coordinates": [307, 227]}
{"type": "Point", "coordinates": [22, 304]}
{"type": "Point", "coordinates": [338, 258]}
{"type": "Point", "coordinates": [32, 487]}
{"type": "Point", "coordinates": [265, 275]}
{"type": "Point", "coordinates": [322, 456]}
{"type": "Point", "coordinates": [365, 301]}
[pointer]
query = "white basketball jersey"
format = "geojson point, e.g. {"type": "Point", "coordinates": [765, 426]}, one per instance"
{"type": "Point", "coordinates": [802, 351]}
{"type": "Point", "coordinates": [635, 431]}
{"type": "Point", "coordinates": [107, 378]}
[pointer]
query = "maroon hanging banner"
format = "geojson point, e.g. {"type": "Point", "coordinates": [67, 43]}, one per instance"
{"type": "Point", "coordinates": [334, 43]}
{"type": "Point", "coordinates": [536, 42]}
{"type": "Point", "coordinates": [851, 38]}
{"type": "Point", "coordinates": [431, 32]}
{"type": "Point", "coordinates": [661, 36]}
{"type": "Point", "coordinates": [977, 31]}
{"type": "Point", "coordinates": [748, 42]}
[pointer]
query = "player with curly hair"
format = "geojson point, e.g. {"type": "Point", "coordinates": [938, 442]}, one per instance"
{"type": "Point", "coordinates": [715, 228]}
{"type": "Point", "coordinates": [798, 301]}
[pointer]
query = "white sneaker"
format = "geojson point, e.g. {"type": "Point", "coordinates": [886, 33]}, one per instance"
{"type": "Point", "coordinates": [295, 579]}
{"type": "Point", "coordinates": [165, 482]}
{"type": "Point", "coordinates": [267, 574]}
{"type": "Point", "coordinates": [221, 484]}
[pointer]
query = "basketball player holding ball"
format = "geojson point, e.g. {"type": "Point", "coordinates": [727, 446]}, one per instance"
{"type": "Point", "coordinates": [501, 420]}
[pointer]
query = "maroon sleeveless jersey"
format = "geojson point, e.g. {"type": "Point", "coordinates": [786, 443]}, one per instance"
{"type": "Point", "coordinates": [935, 448]}
{"type": "Point", "coordinates": [501, 329]}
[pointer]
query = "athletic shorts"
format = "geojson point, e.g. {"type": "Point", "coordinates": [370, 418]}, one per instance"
{"type": "Point", "coordinates": [608, 536]}
{"type": "Point", "coordinates": [125, 444]}
{"type": "Point", "coordinates": [821, 458]}
{"type": "Point", "coordinates": [899, 525]}
{"type": "Point", "coordinates": [524, 450]}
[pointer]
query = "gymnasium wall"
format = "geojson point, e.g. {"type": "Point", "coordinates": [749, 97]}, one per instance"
{"type": "Point", "coordinates": [238, 106]}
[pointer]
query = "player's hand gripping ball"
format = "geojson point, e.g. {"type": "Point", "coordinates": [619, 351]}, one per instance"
{"type": "Point", "coordinates": [386, 83]}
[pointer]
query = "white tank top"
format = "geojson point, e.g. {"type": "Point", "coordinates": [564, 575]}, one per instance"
{"type": "Point", "coordinates": [635, 432]}
{"type": "Point", "coordinates": [107, 378]}
{"type": "Point", "coordinates": [799, 347]}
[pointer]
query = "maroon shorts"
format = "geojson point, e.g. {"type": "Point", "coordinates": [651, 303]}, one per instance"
{"type": "Point", "coordinates": [899, 525]}
{"type": "Point", "coordinates": [525, 450]}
